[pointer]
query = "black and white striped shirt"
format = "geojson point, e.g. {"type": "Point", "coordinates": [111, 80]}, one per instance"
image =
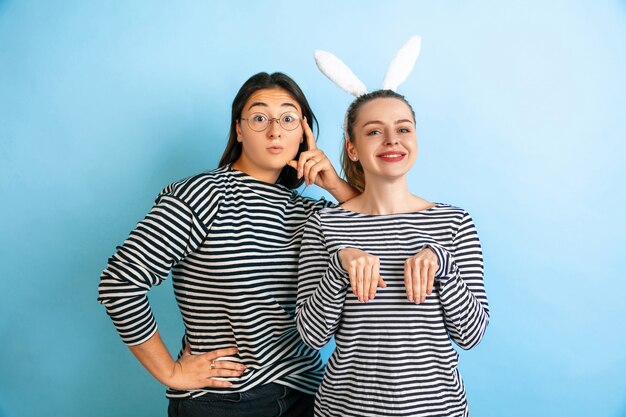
{"type": "Point", "coordinates": [393, 357]}
{"type": "Point", "coordinates": [232, 243]}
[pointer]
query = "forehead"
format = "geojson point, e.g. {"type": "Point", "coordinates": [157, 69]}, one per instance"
{"type": "Point", "coordinates": [384, 109]}
{"type": "Point", "coordinates": [271, 98]}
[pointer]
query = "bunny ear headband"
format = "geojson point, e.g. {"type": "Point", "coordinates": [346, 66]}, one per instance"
{"type": "Point", "coordinates": [398, 71]}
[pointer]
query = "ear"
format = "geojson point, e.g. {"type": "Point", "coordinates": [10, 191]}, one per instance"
{"type": "Point", "coordinates": [238, 130]}
{"type": "Point", "coordinates": [351, 151]}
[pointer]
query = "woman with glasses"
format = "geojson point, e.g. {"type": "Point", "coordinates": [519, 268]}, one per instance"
{"type": "Point", "coordinates": [394, 354]}
{"type": "Point", "coordinates": [231, 238]}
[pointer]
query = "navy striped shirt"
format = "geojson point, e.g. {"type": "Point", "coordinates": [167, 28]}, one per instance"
{"type": "Point", "coordinates": [393, 357]}
{"type": "Point", "coordinates": [232, 244]}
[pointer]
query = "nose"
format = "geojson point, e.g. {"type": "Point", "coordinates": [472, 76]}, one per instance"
{"type": "Point", "coordinates": [273, 129]}
{"type": "Point", "coordinates": [391, 139]}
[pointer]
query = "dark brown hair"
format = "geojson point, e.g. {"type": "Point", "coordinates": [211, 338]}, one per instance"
{"type": "Point", "coordinates": [263, 80]}
{"type": "Point", "coordinates": [353, 170]}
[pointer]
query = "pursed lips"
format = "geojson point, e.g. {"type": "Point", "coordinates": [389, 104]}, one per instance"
{"type": "Point", "coordinates": [275, 149]}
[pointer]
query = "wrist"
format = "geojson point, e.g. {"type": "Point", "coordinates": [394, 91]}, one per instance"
{"type": "Point", "coordinates": [155, 357]}
{"type": "Point", "coordinates": [342, 191]}
{"type": "Point", "coordinates": [442, 259]}
{"type": "Point", "coordinates": [170, 374]}
{"type": "Point", "coordinates": [166, 372]}
{"type": "Point", "coordinates": [332, 185]}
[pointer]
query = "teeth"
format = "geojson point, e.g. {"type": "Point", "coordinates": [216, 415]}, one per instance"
{"type": "Point", "coordinates": [391, 155]}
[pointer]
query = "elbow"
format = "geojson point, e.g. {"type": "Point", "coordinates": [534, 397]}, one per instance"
{"type": "Point", "coordinates": [310, 341]}
{"type": "Point", "coordinates": [314, 344]}
{"type": "Point", "coordinates": [468, 344]}
{"type": "Point", "coordinates": [309, 337]}
{"type": "Point", "coordinates": [469, 341]}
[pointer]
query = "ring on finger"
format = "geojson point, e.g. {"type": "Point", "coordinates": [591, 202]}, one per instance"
{"type": "Point", "coordinates": [212, 365]}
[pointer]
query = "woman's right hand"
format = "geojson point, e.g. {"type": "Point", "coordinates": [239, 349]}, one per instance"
{"type": "Point", "coordinates": [364, 272]}
{"type": "Point", "coordinates": [315, 167]}
{"type": "Point", "coordinates": [199, 371]}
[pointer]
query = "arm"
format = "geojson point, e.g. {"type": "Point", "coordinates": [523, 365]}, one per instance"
{"type": "Point", "coordinates": [168, 233]}
{"type": "Point", "coordinates": [462, 292]}
{"type": "Point", "coordinates": [342, 191]}
{"type": "Point", "coordinates": [322, 286]}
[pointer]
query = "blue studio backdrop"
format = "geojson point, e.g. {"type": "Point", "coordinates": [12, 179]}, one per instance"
{"type": "Point", "coordinates": [520, 116]}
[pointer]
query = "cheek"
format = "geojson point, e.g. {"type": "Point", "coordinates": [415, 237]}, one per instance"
{"type": "Point", "coordinates": [250, 145]}
{"type": "Point", "coordinates": [365, 149]}
{"type": "Point", "coordinates": [415, 151]}
{"type": "Point", "coordinates": [293, 151]}
{"type": "Point", "coordinates": [295, 141]}
{"type": "Point", "coordinates": [411, 144]}
{"type": "Point", "coordinates": [299, 134]}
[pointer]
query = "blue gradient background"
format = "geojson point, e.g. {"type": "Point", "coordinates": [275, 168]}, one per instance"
{"type": "Point", "coordinates": [520, 111]}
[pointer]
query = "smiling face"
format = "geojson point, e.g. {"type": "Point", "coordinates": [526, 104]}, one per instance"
{"type": "Point", "coordinates": [383, 139]}
{"type": "Point", "coordinates": [264, 154]}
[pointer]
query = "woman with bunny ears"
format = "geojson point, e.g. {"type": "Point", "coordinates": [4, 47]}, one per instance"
{"type": "Point", "coordinates": [391, 275]}
{"type": "Point", "coordinates": [231, 238]}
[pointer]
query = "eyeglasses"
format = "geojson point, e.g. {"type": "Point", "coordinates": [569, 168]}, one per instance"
{"type": "Point", "coordinates": [259, 121]}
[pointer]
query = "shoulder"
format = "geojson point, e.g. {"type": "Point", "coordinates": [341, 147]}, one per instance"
{"type": "Point", "coordinates": [459, 219]}
{"type": "Point", "coordinates": [335, 216]}
{"type": "Point", "coordinates": [201, 193]}
{"type": "Point", "coordinates": [448, 210]}
{"type": "Point", "coordinates": [205, 181]}
{"type": "Point", "coordinates": [325, 216]}
{"type": "Point", "coordinates": [310, 204]}
{"type": "Point", "coordinates": [333, 210]}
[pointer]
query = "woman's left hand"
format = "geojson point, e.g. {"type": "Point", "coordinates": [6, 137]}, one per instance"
{"type": "Point", "coordinates": [419, 275]}
{"type": "Point", "coordinates": [314, 165]}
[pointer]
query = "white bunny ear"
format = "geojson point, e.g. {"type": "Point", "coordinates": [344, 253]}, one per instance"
{"type": "Point", "coordinates": [339, 73]}
{"type": "Point", "coordinates": [402, 64]}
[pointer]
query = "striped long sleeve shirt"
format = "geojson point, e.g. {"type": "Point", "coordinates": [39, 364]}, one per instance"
{"type": "Point", "coordinates": [232, 244]}
{"type": "Point", "coordinates": [393, 357]}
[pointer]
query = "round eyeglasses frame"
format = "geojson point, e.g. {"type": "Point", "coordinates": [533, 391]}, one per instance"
{"type": "Point", "coordinates": [268, 120]}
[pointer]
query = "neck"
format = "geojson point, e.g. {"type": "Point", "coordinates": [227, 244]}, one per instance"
{"type": "Point", "coordinates": [386, 197]}
{"type": "Point", "coordinates": [265, 175]}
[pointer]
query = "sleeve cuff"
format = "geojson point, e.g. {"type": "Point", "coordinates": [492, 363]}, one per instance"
{"type": "Point", "coordinates": [335, 268]}
{"type": "Point", "coordinates": [443, 258]}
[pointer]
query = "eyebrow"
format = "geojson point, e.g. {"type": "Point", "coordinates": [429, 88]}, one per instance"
{"type": "Point", "coordinates": [378, 122]}
{"type": "Point", "coordinates": [262, 104]}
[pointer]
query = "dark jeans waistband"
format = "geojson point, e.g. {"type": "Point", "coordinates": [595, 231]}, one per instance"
{"type": "Point", "coordinates": [269, 400]}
